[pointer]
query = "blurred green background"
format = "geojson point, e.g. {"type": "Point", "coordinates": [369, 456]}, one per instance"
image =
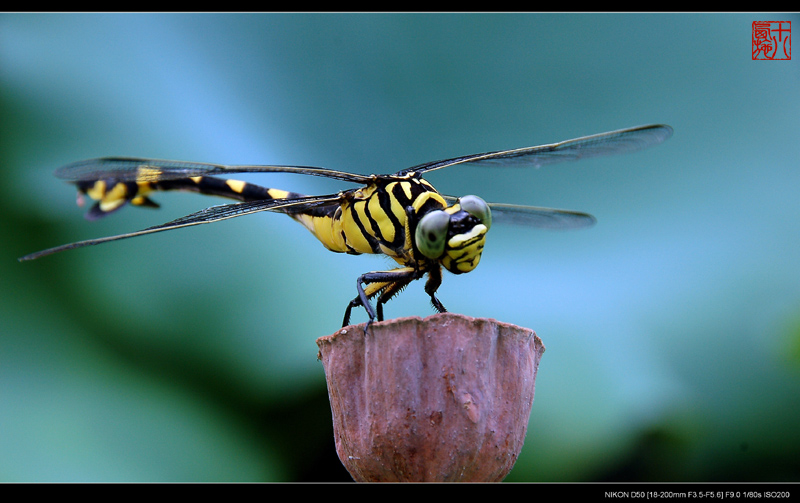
{"type": "Point", "coordinates": [672, 327]}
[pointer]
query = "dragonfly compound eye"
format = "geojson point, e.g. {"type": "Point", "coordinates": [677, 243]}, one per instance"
{"type": "Point", "coordinates": [431, 233]}
{"type": "Point", "coordinates": [478, 208]}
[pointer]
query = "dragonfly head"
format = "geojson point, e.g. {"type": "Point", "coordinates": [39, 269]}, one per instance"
{"type": "Point", "coordinates": [455, 235]}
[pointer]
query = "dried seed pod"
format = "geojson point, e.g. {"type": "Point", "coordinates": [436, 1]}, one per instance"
{"type": "Point", "coordinates": [446, 398]}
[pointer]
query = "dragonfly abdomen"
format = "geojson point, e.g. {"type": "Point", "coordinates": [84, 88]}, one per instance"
{"type": "Point", "coordinates": [112, 195]}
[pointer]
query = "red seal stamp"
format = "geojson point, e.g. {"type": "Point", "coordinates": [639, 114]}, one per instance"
{"type": "Point", "coordinates": [772, 40]}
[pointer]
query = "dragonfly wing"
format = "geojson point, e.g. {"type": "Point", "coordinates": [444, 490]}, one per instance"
{"type": "Point", "coordinates": [206, 216]}
{"type": "Point", "coordinates": [543, 218]}
{"type": "Point", "coordinates": [535, 216]}
{"type": "Point", "coordinates": [611, 143]}
{"type": "Point", "coordinates": [131, 169]}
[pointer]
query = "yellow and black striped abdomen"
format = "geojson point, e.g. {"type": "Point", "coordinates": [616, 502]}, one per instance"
{"type": "Point", "coordinates": [112, 195]}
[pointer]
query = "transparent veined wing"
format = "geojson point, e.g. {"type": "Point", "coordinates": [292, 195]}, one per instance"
{"type": "Point", "coordinates": [132, 169]}
{"type": "Point", "coordinates": [206, 216]}
{"type": "Point", "coordinates": [603, 144]}
{"type": "Point", "coordinates": [536, 216]}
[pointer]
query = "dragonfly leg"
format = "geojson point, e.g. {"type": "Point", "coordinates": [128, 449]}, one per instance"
{"type": "Point", "coordinates": [353, 303]}
{"type": "Point", "coordinates": [433, 283]}
{"type": "Point", "coordinates": [388, 292]}
{"type": "Point", "coordinates": [387, 283]}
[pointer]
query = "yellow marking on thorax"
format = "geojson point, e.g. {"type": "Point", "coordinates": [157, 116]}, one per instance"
{"type": "Point", "coordinates": [343, 234]}
{"type": "Point", "coordinates": [425, 196]}
{"type": "Point", "coordinates": [351, 230]}
{"type": "Point", "coordinates": [406, 186]}
{"type": "Point", "coordinates": [396, 208]}
{"type": "Point", "coordinates": [377, 215]}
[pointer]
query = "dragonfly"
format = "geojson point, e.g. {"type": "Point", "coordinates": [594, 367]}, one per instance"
{"type": "Point", "coordinates": [399, 215]}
